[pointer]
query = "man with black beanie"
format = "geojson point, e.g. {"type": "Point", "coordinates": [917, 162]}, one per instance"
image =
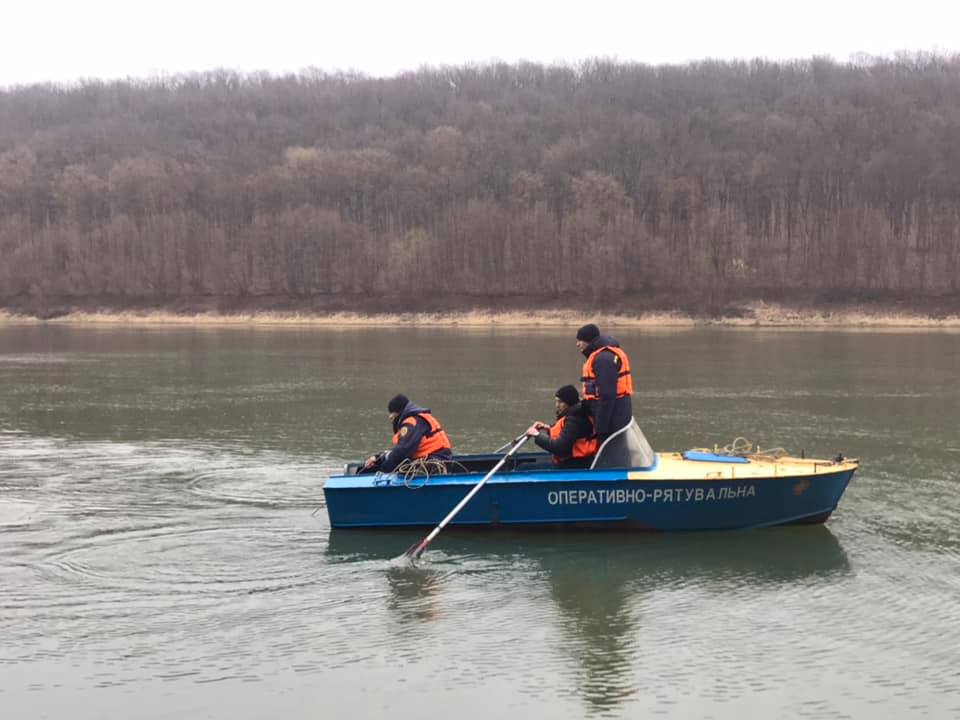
{"type": "Point", "coordinates": [416, 434]}
{"type": "Point", "coordinates": [570, 439]}
{"type": "Point", "coordinates": [607, 384]}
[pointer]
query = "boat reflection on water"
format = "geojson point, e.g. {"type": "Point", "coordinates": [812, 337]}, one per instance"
{"type": "Point", "coordinates": [598, 582]}
{"type": "Point", "coordinates": [773, 555]}
{"type": "Point", "coordinates": [600, 620]}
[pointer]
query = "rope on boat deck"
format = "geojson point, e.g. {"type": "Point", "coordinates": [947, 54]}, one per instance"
{"type": "Point", "coordinates": [425, 468]}
{"type": "Point", "coordinates": [741, 447]}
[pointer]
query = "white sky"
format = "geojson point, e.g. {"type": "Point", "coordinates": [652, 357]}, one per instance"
{"type": "Point", "coordinates": [64, 40]}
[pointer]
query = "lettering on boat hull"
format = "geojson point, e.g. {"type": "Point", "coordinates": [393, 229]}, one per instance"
{"type": "Point", "coordinates": [620, 496]}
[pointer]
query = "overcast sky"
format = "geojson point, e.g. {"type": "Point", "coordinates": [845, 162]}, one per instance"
{"type": "Point", "coordinates": [63, 40]}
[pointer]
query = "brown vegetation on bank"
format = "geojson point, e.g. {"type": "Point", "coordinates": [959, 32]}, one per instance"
{"type": "Point", "coordinates": [463, 311]}
{"type": "Point", "coordinates": [608, 185]}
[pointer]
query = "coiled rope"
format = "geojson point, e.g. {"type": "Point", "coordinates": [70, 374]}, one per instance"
{"type": "Point", "coordinates": [741, 447]}
{"type": "Point", "coordinates": [409, 469]}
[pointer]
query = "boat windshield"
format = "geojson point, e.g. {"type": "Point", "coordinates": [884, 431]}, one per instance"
{"type": "Point", "coordinates": [626, 448]}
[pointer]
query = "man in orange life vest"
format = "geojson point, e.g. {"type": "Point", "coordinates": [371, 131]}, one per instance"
{"type": "Point", "coordinates": [607, 383]}
{"type": "Point", "coordinates": [416, 434]}
{"type": "Point", "coordinates": [570, 439]}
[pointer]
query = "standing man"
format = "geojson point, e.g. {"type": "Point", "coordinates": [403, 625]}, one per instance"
{"type": "Point", "coordinates": [416, 434]}
{"type": "Point", "coordinates": [607, 383]}
{"type": "Point", "coordinates": [570, 439]}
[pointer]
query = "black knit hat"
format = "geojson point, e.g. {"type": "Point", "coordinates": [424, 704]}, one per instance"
{"type": "Point", "coordinates": [397, 403]}
{"type": "Point", "coordinates": [588, 333]}
{"type": "Point", "coordinates": [568, 394]}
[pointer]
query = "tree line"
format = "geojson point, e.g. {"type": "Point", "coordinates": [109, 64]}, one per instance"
{"type": "Point", "coordinates": [599, 179]}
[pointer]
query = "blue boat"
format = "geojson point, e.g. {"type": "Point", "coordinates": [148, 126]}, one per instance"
{"type": "Point", "coordinates": [628, 486]}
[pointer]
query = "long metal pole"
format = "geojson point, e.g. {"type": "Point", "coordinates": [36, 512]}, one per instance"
{"type": "Point", "coordinates": [417, 550]}
{"type": "Point", "coordinates": [507, 444]}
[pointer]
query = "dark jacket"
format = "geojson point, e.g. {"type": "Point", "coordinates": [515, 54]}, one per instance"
{"type": "Point", "coordinates": [408, 444]}
{"type": "Point", "coordinates": [610, 413]}
{"type": "Point", "coordinates": [578, 426]}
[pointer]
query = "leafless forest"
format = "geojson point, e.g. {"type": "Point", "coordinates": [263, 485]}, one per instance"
{"type": "Point", "coordinates": [600, 180]}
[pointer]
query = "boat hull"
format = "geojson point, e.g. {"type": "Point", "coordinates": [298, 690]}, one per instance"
{"type": "Point", "coordinates": [614, 499]}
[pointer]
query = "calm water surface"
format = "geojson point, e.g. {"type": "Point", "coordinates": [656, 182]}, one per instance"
{"type": "Point", "coordinates": [160, 556]}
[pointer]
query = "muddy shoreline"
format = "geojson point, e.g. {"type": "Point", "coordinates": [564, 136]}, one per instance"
{"type": "Point", "coordinates": [518, 311]}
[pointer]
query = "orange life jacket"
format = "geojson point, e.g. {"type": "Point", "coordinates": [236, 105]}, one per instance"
{"type": "Point", "coordinates": [582, 447]}
{"type": "Point", "coordinates": [589, 377]}
{"type": "Point", "coordinates": [433, 441]}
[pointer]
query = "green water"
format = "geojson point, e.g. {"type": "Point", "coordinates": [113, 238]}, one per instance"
{"type": "Point", "coordinates": [160, 556]}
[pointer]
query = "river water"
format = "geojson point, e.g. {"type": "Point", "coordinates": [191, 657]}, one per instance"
{"type": "Point", "coordinates": [161, 557]}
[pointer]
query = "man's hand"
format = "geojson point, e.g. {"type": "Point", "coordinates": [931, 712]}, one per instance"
{"type": "Point", "coordinates": [535, 429]}
{"type": "Point", "coordinates": [371, 461]}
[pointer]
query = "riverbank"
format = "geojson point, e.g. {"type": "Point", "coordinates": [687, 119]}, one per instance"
{"type": "Point", "coordinates": [746, 314]}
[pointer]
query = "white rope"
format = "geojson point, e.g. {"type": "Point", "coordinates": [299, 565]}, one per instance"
{"type": "Point", "coordinates": [425, 468]}
{"type": "Point", "coordinates": [741, 447]}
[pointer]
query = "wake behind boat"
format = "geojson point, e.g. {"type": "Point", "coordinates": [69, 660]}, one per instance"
{"type": "Point", "coordinates": [628, 486]}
